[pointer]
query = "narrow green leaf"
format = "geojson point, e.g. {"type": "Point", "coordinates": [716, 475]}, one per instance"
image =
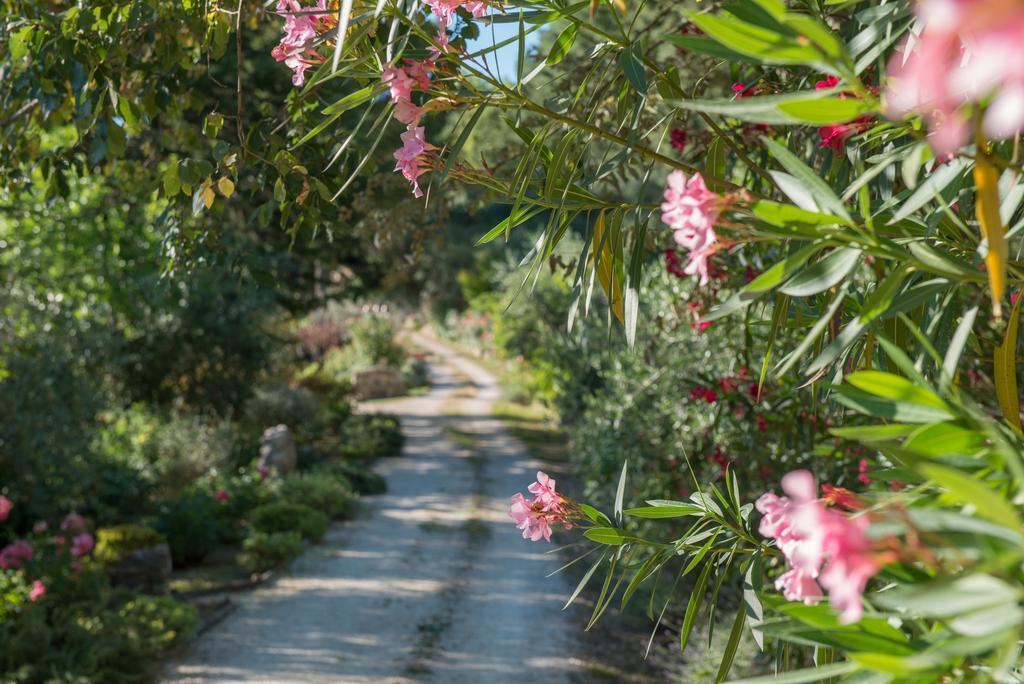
{"type": "Point", "coordinates": [583, 582]}
{"type": "Point", "coordinates": [813, 674]}
{"type": "Point", "coordinates": [694, 604]}
{"type": "Point", "coordinates": [563, 44]}
{"type": "Point", "coordinates": [620, 492]}
{"type": "Point", "coordinates": [658, 512]}
{"type": "Point", "coordinates": [824, 197]}
{"type": "Point", "coordinates": [731, 645]}
{"type": "Point", "coordinates": [824, 273]}
{"type": "Point", "coordinates": [631, 61]}
{"type": "Point", "coordinates": [966, 489]}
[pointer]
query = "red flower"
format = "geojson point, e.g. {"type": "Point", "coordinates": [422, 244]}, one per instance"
{"type": "Point", "coordinates": [762, 424]}
{"type": "Point", "coordinates": [862, 470]}
{"type": "Point", "coordinates": [842, 497]}
{"type": "Point", "coordinates": [678, 139]}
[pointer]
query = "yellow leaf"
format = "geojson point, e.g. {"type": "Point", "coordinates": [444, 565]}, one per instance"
{"type": "Point", "coordinates": [226, 186]}
{"type": "Point", "coordinates": [986, 183]}
{"type": "Point", "coordinates": [1005, 370]}
{"type": "Point", "coordinates": [208, 195]}
{"type": "Point", "coordinates": [605, 267]}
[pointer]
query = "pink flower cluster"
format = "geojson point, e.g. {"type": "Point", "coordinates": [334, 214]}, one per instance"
{"type": "Point", "coordinates": [690, 210]}
{"type": "Point", "coordinates": [15, 554]}
{"type": "Point", "coordinates": [82, 545]}
{"type": "Point", "coordinates": [5, 508]}
{"type": "Point", "coordinates": [301, 26]}
{"type": "Point", "coordinates": [967, 50]}
{"type": "Point", "coordinates": [445, 11]}
{"type": "Point", "coordinates": [823, 548]}
{"type": "Point", "coordinates": [535, 516]}
{"type": "Point", "coordinates": [411, 157]}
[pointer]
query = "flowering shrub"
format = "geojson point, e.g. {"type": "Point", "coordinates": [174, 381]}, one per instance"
{"type": "Point", "coordinates": [841, 186]}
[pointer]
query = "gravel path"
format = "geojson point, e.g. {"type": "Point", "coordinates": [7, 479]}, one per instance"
{"type": "Point", "coordinates": [431, 584]}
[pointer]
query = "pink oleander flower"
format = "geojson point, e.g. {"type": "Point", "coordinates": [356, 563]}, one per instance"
{"type": "Point", "coordinates": [14, 555]}
{"type": "Point", "coordinates": [5, 508]}
{"type": "Point", "coordinates": [535, 516]}
{"type": "Point", "coordinates": [408, 113]}
{"type": "Point", "coordinates": [264, 472]}
{"type": "Point", "coordinates": [824, 548]}
{"type": "Point", "coordinates": [690, 210]}
{"type": "Point", "coordinates": [544, 491]}
{"type": "Point", "coordinates": [445, 10]}
{"type": "Point", "coordinates": [420, 72]}
{"type": "Point", "coordinates": [411, 157]}
{"type": "Point", "coordinates": [967, 50]}
{"type": "Point", "coordinates": [399, 82]}
{"type": "Point", "coordinates": [222, 495]}
{"type": "Point", "coordinates": [300, 28]}
{"type": "Point", "coordinates": [527, 518]}
{"type": "Point", "coordinates": [82, 545]}
{"type": "Point", "coordinates": [73, 523]}
{"type": "Point", "coordinates": [37, 592]}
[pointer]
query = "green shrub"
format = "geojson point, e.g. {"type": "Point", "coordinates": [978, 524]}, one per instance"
{"type": "Point", "coordinates": [363, 479]}
{"type": "Point", "coordinates": [373, 338]}
{"type": "Point", "coordinates": [186, 447]}
{"type": "Point", "coordinates": [266, 551]}
{"type": "Point", "coordinates": [92, 639]}
{"type": "Point", "coordinates": [371, 436]}
{"type": "Point", "coordinates": [159, 622]}
{"type": "Point", "coordinates": [283, 516]}
{"type": "Point", "coordinates": [191, 524]}
{"type": "Point", "coordinates": [332, 494]}
{"type": "Point", "coordinates": [114, 542]}
{"type": "Point", "coordinates": [296, 407]}
{"type": "Point", "coordinates": [416, 372]}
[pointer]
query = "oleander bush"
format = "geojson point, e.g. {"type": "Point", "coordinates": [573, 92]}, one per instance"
{"type": "Point", "coordinates": [813, 409]}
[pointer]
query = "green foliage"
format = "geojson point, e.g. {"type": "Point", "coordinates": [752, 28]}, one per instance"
{"type": "Point", "coordinates": [373, 339]}
{"type": "Point", "coordinates": [330, 494]}
{"type": "Point", "coordinates": [288, 517]}
{"type": "Point", "coordinates": [371, 435]}
{"type": "Point", "coordinates": [359, 475]}
{"type": "Point", "coordinates": [296, 407]}
{"type": "Point", "coordinates": [266, 551]}
{"type": "Point", "coordinates": [190, 524]}
{"type": "Point", "coordinates": [185, 447]}
{"type": "Point", "coordinates": [88, 641]}
{"type": "Point", "coordinates": [114, 542]}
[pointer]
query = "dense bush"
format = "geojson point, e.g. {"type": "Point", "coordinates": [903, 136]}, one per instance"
{"type": "Point", "coordinates": [86, 640]}
{"type": "Point", "coordinates": [185, 447]}
{"type": "Point", "coordinates": [373, 339]}
{"type": "Point", "coordinates": [191, 524]}
{"type": "Point", "coordinates": [114, 542]}
{"type": "Point", "coordinates": [371, 435]}
{"type": "Point", "coordinates": [416, 372]}
{"type": "Point", "coordinates": [268, 550]}
{"type": "Point", "coordinates": [287, 517]}
{"type": "Point", "coordinates": [296, 407]}
{"type": "Point", "coordinates": [331, 494]}
{"type": "Point", "coordinates": [359, 474]}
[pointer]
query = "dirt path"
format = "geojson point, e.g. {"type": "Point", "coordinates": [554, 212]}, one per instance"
{"type": "Point", "coordinates": [432, 584]}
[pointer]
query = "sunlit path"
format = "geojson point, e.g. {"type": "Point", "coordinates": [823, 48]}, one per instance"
{"type": "Point", "coordinates": [432, 584]}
